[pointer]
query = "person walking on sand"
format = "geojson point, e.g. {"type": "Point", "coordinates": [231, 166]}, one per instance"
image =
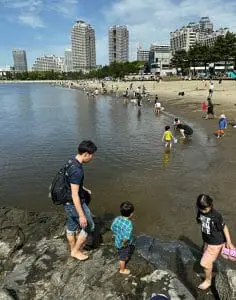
{"type": "Point", "coordinates": [167, 138]}
{"type": "Point", "coordinates": [123, 227]}
{"type": "Point", "coordinates": [210, 109]}
{"type": "Point", "coordinates": [222, 126]}
{"type": "Point", "coordinates": [78, 213]}
{"type": "Point", "coordinates": [211, 89]}
{"type": "Point", "coordinates": [215, 234]}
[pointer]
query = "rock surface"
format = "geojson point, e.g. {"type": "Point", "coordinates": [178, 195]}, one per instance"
{"type": "Point", "coordinates": [35, 264]}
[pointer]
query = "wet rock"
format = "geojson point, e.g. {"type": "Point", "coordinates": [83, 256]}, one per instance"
{"type": "Point", "coordinates": [35, 264]}
{"type": "Point", "coordinates": [226, 284]}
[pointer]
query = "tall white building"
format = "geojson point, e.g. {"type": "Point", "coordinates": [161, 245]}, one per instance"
{"type": "Point", "coordinates": [83, 47]}
{"type": "Point", "coordinates": [183, 39]}
{"type": "Point", "coordinates": [48, 63]}
{"type": "Point", "coordinates": [118, 36]}
{"type": "Point", "coordinates": [210, 39]}
{"type": "Point", "coordinates": [68, 62]}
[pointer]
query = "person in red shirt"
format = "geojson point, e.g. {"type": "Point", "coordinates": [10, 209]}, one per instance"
{"type": "Point", "coordinates": [204, 108]}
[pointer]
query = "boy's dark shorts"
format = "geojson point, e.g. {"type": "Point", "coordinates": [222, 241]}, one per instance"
{"type": "Point", "coordinates": [126, 252]}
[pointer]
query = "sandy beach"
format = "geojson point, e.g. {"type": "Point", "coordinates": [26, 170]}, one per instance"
{"type": "Point", "coordinates": [224, 97]}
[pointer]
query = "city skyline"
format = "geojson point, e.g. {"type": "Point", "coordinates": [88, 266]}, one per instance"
{"type": "Point", "coordinates": [43, 28]}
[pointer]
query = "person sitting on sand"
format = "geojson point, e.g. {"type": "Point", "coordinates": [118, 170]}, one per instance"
{"type": "Point", "coordinates": [123, 227]}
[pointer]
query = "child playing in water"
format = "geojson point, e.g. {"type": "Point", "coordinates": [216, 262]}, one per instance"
{"type": "Point", "coordinates": [214, 234]}
{"type": "Point", "coordinates": [167, 137]}
{"type": "Point", "coordinates": [122, 227]}
{"type": "Point", "coordinates": [222, 126]}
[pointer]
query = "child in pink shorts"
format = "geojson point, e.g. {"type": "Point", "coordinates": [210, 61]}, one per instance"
{"type": "Point", "coordinates": [214, 234]}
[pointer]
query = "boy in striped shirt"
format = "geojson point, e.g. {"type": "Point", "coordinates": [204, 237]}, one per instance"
{"type": "Point", "coordinates": [122, 227]}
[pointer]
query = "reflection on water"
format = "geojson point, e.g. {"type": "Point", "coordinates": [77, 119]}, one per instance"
{"type": "Point", "coordinates": [42, 125]}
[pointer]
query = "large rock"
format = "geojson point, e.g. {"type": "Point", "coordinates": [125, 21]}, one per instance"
{"type": "Point", "coordinates": [35, 264]}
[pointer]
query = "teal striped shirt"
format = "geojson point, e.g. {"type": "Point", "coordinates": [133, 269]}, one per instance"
{"type": "Point", "coordinates": [123, 231]}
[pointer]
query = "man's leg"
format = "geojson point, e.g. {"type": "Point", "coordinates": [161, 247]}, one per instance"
{"type": "Point", "coordinates": [80, 242]}
{"type": "Point", "coordinates": [182, 133]}
{"type": "Point", "coordinates": [71, 238]}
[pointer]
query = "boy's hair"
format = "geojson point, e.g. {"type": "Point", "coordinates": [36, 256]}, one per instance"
{"type": "Point", "coordinates": [167, 127]}
{"type": "Point", "coordinates": [126, 209]}
{"type": "Point", "coordinates": [176, 119]}
{"type": "Point", "coordinates": [204, 201]}
{"type": "Point", "coordinates": [87, 146]}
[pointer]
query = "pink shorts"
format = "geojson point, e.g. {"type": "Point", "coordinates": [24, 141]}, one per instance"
{"type": "Point", "coordinates": [210, 255]}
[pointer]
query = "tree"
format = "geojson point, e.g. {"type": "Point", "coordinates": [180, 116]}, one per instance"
{"type": "Point", "coordinates": [180, 61]}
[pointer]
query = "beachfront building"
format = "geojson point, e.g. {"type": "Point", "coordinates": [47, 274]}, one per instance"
{"type": "Point", "coordinates": [206, 26]}
{"type": "Point", "coordinates": [142, 55]}
{"type": "Point", "coordinates": [118, 36]}
{"type": "Point", "coordinates": [210, 39]}
{"type": "Point", "coordinates": [160, 59]}
{"type": "Point", "coordinates": [48, 63]}
{"type": "Point", "coordinates": [20, 60]}
{"type": "Point", "coordinates": [183, 39]}
{"type": "Point", "coordinates": [83, 47]}
{"type": "Point", "coordinates": [68, 62]}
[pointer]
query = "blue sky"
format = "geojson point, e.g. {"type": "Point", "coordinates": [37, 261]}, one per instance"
{"type": "Point", "coordinates": [43, 26]}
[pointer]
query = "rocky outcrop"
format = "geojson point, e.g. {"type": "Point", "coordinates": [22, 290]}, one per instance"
{"type": "Point", "coordinates": [35, 264]}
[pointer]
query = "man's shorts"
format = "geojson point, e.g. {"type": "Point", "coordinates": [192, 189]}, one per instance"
{"type": "Point", "coordinates": [126, 252]}
{"type": "Point", "coordinates": [210, 255]}
{"type": "Point", "coordinates": [73, 224]}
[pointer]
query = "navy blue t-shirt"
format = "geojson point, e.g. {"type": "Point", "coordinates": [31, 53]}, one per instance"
{"type": "Point", "coordinates": [76, 176]}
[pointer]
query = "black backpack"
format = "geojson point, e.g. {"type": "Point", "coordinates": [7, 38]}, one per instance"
{"type": "Point", "coordinates": [60, 191]}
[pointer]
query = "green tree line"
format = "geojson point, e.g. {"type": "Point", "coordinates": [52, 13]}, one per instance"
{"type": "Point", "coordinates": [224, 49]}
{"type": "Point", "coordinates": [114, 70]}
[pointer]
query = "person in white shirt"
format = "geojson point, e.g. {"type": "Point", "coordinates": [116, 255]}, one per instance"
{"type": "Point", "coordinates": [211, 89]}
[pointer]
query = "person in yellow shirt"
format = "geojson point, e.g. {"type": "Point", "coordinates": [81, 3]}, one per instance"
{"type": "Point", "coordinates": [167, 137]}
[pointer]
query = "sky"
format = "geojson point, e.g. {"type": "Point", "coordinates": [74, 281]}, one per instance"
{"type": "Point", "coordinates": [42, 27]}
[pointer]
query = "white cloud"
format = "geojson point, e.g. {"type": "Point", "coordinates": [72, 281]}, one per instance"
{"type": "Point", "coordinates": [31, 20]}
{"type": "Point", "coordinates": [151, 21]}
{"type": "Point", "coordinates": [30, 12]}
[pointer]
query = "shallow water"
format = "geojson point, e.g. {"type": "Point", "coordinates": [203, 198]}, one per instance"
{"type": "Point", "coordinates": [41, 126]}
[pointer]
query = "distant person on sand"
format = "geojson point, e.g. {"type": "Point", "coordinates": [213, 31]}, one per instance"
{"type": "Point", "coordinates": [123, 227]}
{"type": "Point", "coordinates": [211, 89]}
{"type": "Point", "coordinates": [214, 234]}
{"type": "Point", "coordinates": [167, 138]}
{"type": "Point", "coordinates": [204, 108]}
{"type": "Point", "coordinates": [222, 126]}
{"type": "Point", "coordinates": [210, 109]}
{"type": "Point", "coordinates": [79, 220]}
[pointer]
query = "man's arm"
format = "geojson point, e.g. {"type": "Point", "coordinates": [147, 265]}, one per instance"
{"type": "Point", "coordinates": [77, 203]}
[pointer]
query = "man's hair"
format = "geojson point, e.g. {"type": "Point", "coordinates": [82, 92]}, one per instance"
{"type": "Point", "coordinates": [87, 146]}
{"type": "Point", "coordinates": [126, 209]}
{"type": "Point", "coordinates": [167, 127]}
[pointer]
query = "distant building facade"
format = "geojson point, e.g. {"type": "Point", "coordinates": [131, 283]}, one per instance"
{"type": "Point", "coordinates": [118, 36]}
{"type": "Point", "coordinates": [83, 47]}
{"type": "Point", "coordinates": [160, 59]}
{"type": "Point", "coordinates": [68, 61]}
{"type": "Point", "coordinates": [201, 32]}
{"type": "Point", "coordinates": [48, 63]}
{"type": "Point", "coordinates": [143, 55]}
{"type": "Point", "coordinates": [20, 60]}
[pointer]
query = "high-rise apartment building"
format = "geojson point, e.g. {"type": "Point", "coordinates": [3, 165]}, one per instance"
{"type": "Point", "coordinates": [206, 26]}
{"type": "Point", "coordinates": [187, 36]}
{"type": "Point", "coordinates": [83, 47]}
{"type": "Point", "coordinates": [183, 39]}
{"type": "Point", "coordinates": [68, 62]}
{"type": "Point", "coordinates": [48, 63]}
{"type": "Point", "coordinates": [20, 60]}
{"type": "Point", "coordinates": [118, 36]}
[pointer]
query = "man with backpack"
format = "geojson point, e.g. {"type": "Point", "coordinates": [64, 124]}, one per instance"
{"type": "Point", "coordinates": [78, 214]}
